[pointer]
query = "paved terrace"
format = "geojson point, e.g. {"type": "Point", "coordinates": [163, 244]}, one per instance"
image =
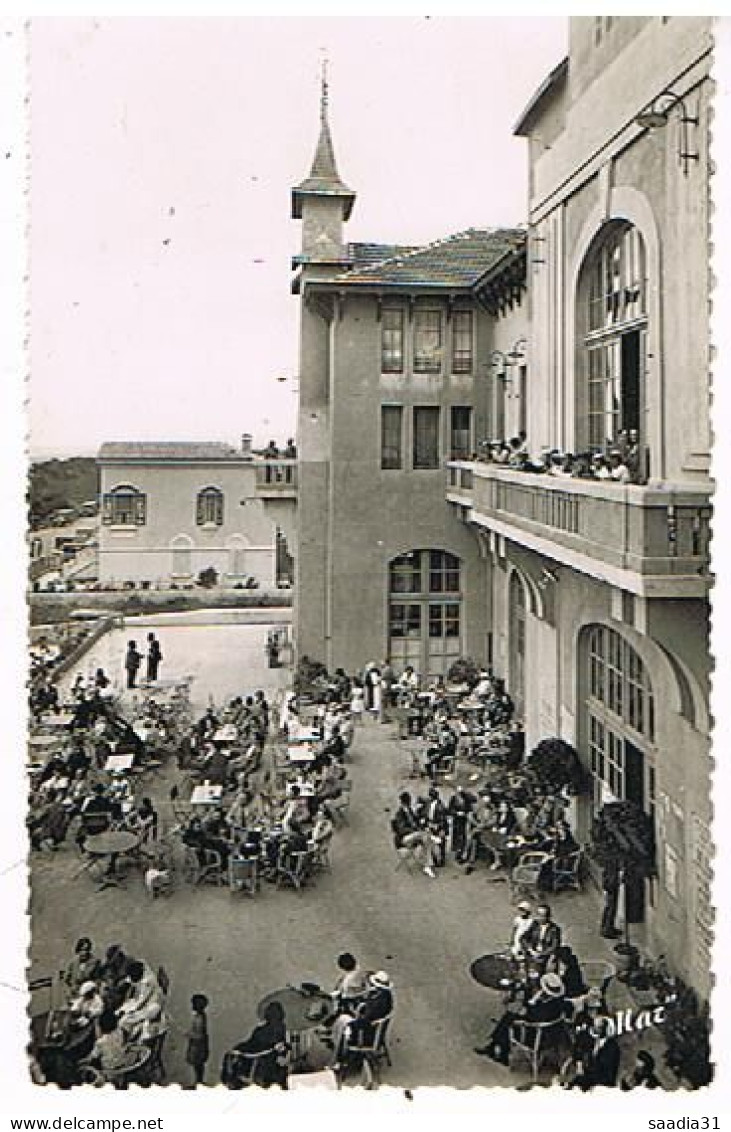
{"type": "Point", "coordinates": [424, 932]}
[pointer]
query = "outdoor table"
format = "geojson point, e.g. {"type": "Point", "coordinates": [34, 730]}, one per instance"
{"type": "Point", "coordinates": [300, 754]}
{"type": "Point", "coordinates": [302, 1012]}
{"type": "Point", "coordinates": [304, 736]}
{"type": "Point", "coordinates": [119, 762]}
{"type": "Point", "coordinates": [63, 719]}
{"type": "Point", "coordinates": [110, 845]}
{"type": "Point", "coordinates": [44, 740]}
{"type": "Point", "coordinates": [206, 795]}
{"type": "Point", "coordinates": [494, 971]}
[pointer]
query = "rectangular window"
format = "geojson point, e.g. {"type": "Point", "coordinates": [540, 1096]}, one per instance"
{"type": "Point", "coordinates": [460, 434]}
{"type": "Point", "coordinates": [426, 437]}
{"type": "Point", "coordinates": [391, 432]}
{"type": "Point", "coordinates": [462, 342]}
{"type": "Point", "coordinates": [406, 574]}
{"type": "Point", "coordinates": [427, 341]}
{"type": "Point", "coordinates": [392, 340]}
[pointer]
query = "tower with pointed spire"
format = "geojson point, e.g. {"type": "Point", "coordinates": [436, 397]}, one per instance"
{"type": "Point", "coordinates": [322, 201]}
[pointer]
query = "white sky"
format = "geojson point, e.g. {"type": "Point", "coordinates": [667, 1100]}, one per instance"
{"type": "Point", "coordinates": [132, 338]}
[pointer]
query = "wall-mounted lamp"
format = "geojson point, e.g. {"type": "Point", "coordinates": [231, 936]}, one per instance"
{"type": "Point", "coordinates": [513, 357]}
{"type": "Point", "coordinates": [657, 114]}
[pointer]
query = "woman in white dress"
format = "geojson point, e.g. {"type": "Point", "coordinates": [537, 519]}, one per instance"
{"type": "Point", "coordinates": [374, 677]}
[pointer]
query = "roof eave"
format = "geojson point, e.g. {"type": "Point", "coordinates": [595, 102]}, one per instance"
{"type": "Point", "coordinates": [550, 84]}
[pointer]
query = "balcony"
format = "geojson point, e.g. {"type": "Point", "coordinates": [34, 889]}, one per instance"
{"type": "Point", "coordinates": [651, 541]}
{"type": "Point", "coordinates": [276, 479]}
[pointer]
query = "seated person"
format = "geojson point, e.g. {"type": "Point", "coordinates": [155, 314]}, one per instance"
{"type": "Point", "coordinates": [109, 1052]}
{"type": "Point", "coordinates": [408, 833]}
{"type": "Point", "coordinates": [84, 967]}
{"type": "Point", "coordinates": [600, 1063]}
{"type": "Point", "coordinates": [158, 878]}
{"type": "Point", "coordinates": [88, 1004]}
{"type": "Point", "coordinates": [142, 1015]}
{"type": "Point", "coordinates": [357, 1027]}
{"type": "Point", "coordinates": [522, 923]}
{"type": "Point", "coordinates": [544, 937]}
{"type": "Point", "coordinates": [565, 963]}
{"type": "Point", "coordinates": [270, 1038]}
{"type": "Point", "coordinates": [351, 985]}
{"type": "Point", "coordinates": [643, 1075]}
{"type": "Point", "coordinates": [547, 1005]}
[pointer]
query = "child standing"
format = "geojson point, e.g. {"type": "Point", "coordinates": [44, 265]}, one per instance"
{"type": "Point", "coordinates": [198, 1050]}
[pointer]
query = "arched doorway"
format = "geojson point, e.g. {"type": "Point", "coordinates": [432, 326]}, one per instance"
{"type": "Point", "coordinates": [425, 611]}
{"type": "Point", "coordinates": [618, 726]}
{"type": "Point", "coordinates": [612, 332]}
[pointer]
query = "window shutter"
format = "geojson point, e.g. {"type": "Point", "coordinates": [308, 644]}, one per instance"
{"type": "Point", "coordinates": [200, 509]}
{"type": "Point", "coordinates": [140, 510]}
{"type": "Point", "coordinates": [107, 510]}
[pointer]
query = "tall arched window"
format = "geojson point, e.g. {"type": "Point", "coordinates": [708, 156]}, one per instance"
{"type": "Point", "coordinates": [209, 507]}
{"type": "Point", "coordinates": [424, 611]}
{"type": "Point", "coordinates": [619, 727]}
{"type": "Point", "coordinates": [612, 321]}
{"type": "Point", "coordinates": [237, 556]}
{"type": "Point", "coordinates": [124, 506]}
{"type": "Point", "coordinates": [517, 644]}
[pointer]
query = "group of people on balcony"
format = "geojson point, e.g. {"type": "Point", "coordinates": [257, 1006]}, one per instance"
{"type": "Point", "coordinates": [289, 452]}
{"type": "Point", "coordinates": [620, 460]}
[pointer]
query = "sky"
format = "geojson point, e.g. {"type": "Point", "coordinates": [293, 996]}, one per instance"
{"type": "Point", "coordinates": [163, 151]}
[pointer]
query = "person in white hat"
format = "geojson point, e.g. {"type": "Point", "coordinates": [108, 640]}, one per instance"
{"type": "Point", "coordinates": [522, 923]}
{"type": "Point", "coordinates": [88, 1006]}
{"type": "Point", "coordinates": [548, 1006]}
{"type": "Point", "coordinates": [362, 1030]}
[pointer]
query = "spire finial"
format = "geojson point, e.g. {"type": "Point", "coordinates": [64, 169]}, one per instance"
{"type": "Point", "coordinates": [323, 86]}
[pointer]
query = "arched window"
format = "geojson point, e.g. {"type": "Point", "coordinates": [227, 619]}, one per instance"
{"type": "Point", "coordinates": [181, 548]}
{"type": "Point", "coordinates": [124, 506]}
{"type": "Point", "coordinates": [517, 643]}
{"type": "Point", "coordinates": [425, 611]}
{"type": "Point", "coordinates": [619, 728]}
{"type": "Point", "coordinates": [612, 318]}
{"type": "Point", "coordinates": [209, 507]}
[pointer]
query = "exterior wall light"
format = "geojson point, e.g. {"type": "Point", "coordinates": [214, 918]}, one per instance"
{"type": "Point", "coordinates": [657, 114]}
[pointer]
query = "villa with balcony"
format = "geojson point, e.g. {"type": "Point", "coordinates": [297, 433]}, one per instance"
{"type": "Point", "coordinates": [172, 509]}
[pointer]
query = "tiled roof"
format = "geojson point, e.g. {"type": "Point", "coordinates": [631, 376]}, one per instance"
{"type": "Point", "coordinates": [460, 260]}
{"type": "Point", "coordinates": [364, 255]}
{"type": "Point", "coordinates": [167, 450]}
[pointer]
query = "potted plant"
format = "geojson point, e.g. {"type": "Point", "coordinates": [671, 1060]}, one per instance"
{"type": "Point", "coordinates": [556, 766]}
{"type": "Point", "coordinates": [463, 674]}
{"type": "Point", "coordinates": [207, 578]}
{"type": "Point", "coordinates": [623, 845]}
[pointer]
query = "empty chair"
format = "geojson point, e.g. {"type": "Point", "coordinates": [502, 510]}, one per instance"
{"type": "Point", "coordinates": [537, 1042]}
{"type": "Point", "coordinates": [525, 877]}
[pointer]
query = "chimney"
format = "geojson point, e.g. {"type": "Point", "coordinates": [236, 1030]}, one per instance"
{"type": "Point", "coordinates": [246, 445]}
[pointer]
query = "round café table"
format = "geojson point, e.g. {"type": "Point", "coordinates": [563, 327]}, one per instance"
{"type": "Point", "coordinates": [111, 845]}
{"type": "Point", "coordinates": [302, 1012]}
{"type": "Point", "coordinates": [494, 971]}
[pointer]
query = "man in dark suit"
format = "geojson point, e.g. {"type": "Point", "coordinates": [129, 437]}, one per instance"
{"type": "Point", "coordinates": [409, 833]}
{"type": "Point", "coordinates": [433, 813]}
{"type": "Point", "coordinates": [543, 939]}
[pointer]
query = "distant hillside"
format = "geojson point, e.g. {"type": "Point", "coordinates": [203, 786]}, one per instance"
{"type": "Point", "coordinates": [54, 484]}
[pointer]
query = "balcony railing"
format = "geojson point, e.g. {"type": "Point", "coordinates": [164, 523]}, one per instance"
{"type": "Point", "coordinates": [658, 532]}
{"type": "Point", "coordinates": [277, 479]}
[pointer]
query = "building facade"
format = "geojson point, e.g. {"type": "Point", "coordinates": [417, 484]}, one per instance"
{"type": "Point", "coordinates": [395, 376]}
{"type": "Point", "coordinates": [170, 510]}
{"type": "Point", "coordinates": [599, 590]}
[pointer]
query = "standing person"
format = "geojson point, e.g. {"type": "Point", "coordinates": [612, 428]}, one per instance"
{"type": "Point", "coordinates": [611, 877]}
{"type": "Point", "coordinates": [374, 680]}
{"type": "Point", "coordinates": [388, 679]}
{"type": "Point", "coordinates": [154, 656]}
{"type": "Point", "coordinates": [357, 702]}
{"type": "Point", "coordinates": [198, 1049]}
{"type": "Point", "coordinates": [132, 662]}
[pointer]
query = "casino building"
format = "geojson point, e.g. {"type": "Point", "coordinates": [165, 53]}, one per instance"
{"type": "Point", "coordinates": [590, 597]}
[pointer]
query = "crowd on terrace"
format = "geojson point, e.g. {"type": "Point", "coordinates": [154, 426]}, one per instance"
{"type": "Point", "coordinates": [620, 461]}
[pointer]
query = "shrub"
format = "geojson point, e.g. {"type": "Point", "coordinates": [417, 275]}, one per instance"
{"type": "Point", "coordinates": [464, 671]}
{"type": "Point", "coordinates": [207, 578]}
{"type": "Point", "coordinates": [557, 766]}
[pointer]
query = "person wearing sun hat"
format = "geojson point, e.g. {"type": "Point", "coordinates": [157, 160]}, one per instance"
{"type": "Point", "coordinates": [376, 1006]}
{"type": "Point", "coordinates": [548, 1006]}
